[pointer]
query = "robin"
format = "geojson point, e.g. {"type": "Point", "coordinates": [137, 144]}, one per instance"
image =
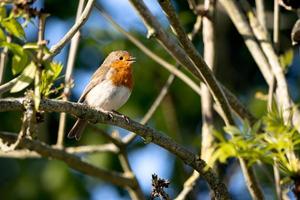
{"type": "Point", "coordinates": [108, 89]}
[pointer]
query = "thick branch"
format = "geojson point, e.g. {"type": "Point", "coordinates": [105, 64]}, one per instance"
{"type": "Point", "coordinates": [149, 134]}
{"type": "Point", "coordinates": [74, 162]}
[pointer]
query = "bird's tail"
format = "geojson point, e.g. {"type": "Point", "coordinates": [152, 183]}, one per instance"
{"type": "Point", "coordinates": [77, 129]}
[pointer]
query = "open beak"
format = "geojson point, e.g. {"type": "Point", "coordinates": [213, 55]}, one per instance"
{"type": "Point", "coordinates": [131, 59]}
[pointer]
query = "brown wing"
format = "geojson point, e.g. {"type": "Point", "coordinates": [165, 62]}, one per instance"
{"type": "Point", "coordinates": [97, 77]}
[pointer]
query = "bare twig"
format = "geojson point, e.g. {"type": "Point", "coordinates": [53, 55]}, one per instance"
{"type": "Point", "coordinates": [90, 149]}
{"type": "Point", "coordinates": [261, 13]}
{"type": "Point", "coordinates": [150, 135]}
{"type": "Point", "coordinates": [276, 26]}
{"type": "Point", "coordinates": [240, 22]}
{"type": "Point", "coordinates": [69, 70]}
{"type": "Point", "coordinates": [135, 193]}
{"type": "Point", "coordinates": [188, 186]}
{"type": "Point", "coordinates": [206, 98]}
{"type": "Point", "coordinates": [109, 137]}
{"type": "Point", "coordinates": [201, 66]}
{"type": "Point", "coordinates": [123, 180]}
{"type": "Point", "coordinates": [55, 49]}
{"type": "Point", "coordinates": [283, 96]}
{"type": "Point", "coordinates": [251, 181]}
{"type": "Point", "coordinates": [276, 41]}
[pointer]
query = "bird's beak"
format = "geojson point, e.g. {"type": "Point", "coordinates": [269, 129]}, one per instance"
{"type": "Point", "coordinates": [131, 59]}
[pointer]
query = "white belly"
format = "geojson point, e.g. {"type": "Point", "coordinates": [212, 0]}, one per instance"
{"type": "Point", "coordinates": [106, 96]}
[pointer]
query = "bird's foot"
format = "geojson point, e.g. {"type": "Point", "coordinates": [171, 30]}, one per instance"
{"type": "Point", "coordinates": [123, 116]}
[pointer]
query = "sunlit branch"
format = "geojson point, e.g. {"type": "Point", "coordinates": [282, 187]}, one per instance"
{"type": "Point", "coordinates": [148, 133]}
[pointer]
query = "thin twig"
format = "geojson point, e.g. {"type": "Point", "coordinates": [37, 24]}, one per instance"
{"type": "Point", "coordinates": [55, 49]}
{"type": "Point", "coordinates": [276, 41]}
{"type": "Point", "coordinates": [90, 149]}
{"type": "Point", "coordinates": [188, 186]}
{"type": "Point", "coordinates": [109, 137]}
{"type": "Point", "coordinates": [204, 70]}
{"type": "Point", "coordinates": [150, 135]}
{"type": "Point", "coordinates": [69, 70]}
{"type": "Point", "coordinates": [261, 12]}
{"type": "Point", "coordinates": [240, 22]}
{"type": "Point", "coordinates": [206, 98]}
{"type": "Point", "coordinates": [276, 26]}
{"type": "Point", "coordinates": [262, 36]}
{"type": "Point", "coordinates": [135, 193]}
{"type": "Point", "coordinates": [251, 181]}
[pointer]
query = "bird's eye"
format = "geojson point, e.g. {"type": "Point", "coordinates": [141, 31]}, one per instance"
{"type": "Point", "coordinates": [121, 58]}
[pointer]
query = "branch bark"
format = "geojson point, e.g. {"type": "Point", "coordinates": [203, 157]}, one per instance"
{"type": "Point", "coordinates": [149, 134]}
{"type": "Point", "coordinates": [123, 180]}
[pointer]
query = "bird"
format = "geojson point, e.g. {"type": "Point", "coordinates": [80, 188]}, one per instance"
{"type": "Point", "coordinates": [109, 88]}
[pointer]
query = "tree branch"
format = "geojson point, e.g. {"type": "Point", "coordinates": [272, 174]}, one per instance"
{"type": "Point", "coordinates": [149, 134]}
{"type": "Point", "coordinates": [74, 162]}
{"type": "Point", "coordinates": [283, 96]}
{"type": "Point", "coordinates": [240, 22]}
{"type": "Point", "coordinates": [69, 70]}
{"type": "Point", "coordinates": [205, 72]}
{"type": "Point", "coordinates": [90, 149]}
{"type": "Point", "coordinates": [55, 49]}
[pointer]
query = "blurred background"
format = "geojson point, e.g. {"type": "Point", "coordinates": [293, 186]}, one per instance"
{"type": "Point", "coordinates": [179, 115]}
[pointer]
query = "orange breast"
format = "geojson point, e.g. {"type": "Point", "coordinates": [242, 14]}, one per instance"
{"type": "Point", "coordinates": [122, 75]}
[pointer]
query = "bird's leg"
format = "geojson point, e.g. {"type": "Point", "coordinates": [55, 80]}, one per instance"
{"type": "Point", "coordinates": [109, 113]}
{"type": "Point", "coordinates": [123, 116]}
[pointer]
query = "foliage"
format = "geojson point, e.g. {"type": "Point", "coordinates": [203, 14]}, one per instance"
{"type": "Point", "coordinates": [269, 140]}
{"type": "Point", "coordinates": [25, 61]}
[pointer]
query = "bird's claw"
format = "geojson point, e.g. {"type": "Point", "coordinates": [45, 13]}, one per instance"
{"type": "Point", "coordinates": [123, 116]}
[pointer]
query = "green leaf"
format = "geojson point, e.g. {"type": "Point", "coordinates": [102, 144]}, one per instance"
{"type": "Point", "coordinates": [26, 78]}
{"type": "Point", "coordinates": [232, 130]}
{"type": "Point", "coordinates": [2, 35]}
{"type": "Point", "coordinates": [14, 27]}
{"type": "Point", "coordinates": [49, 75]}
{"type": "Point", "coordinates": [2, 12]}
{"type": "Point", "coordinates": [31, 45]}
{"type": "Point", "coordinates": [20, 57]}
